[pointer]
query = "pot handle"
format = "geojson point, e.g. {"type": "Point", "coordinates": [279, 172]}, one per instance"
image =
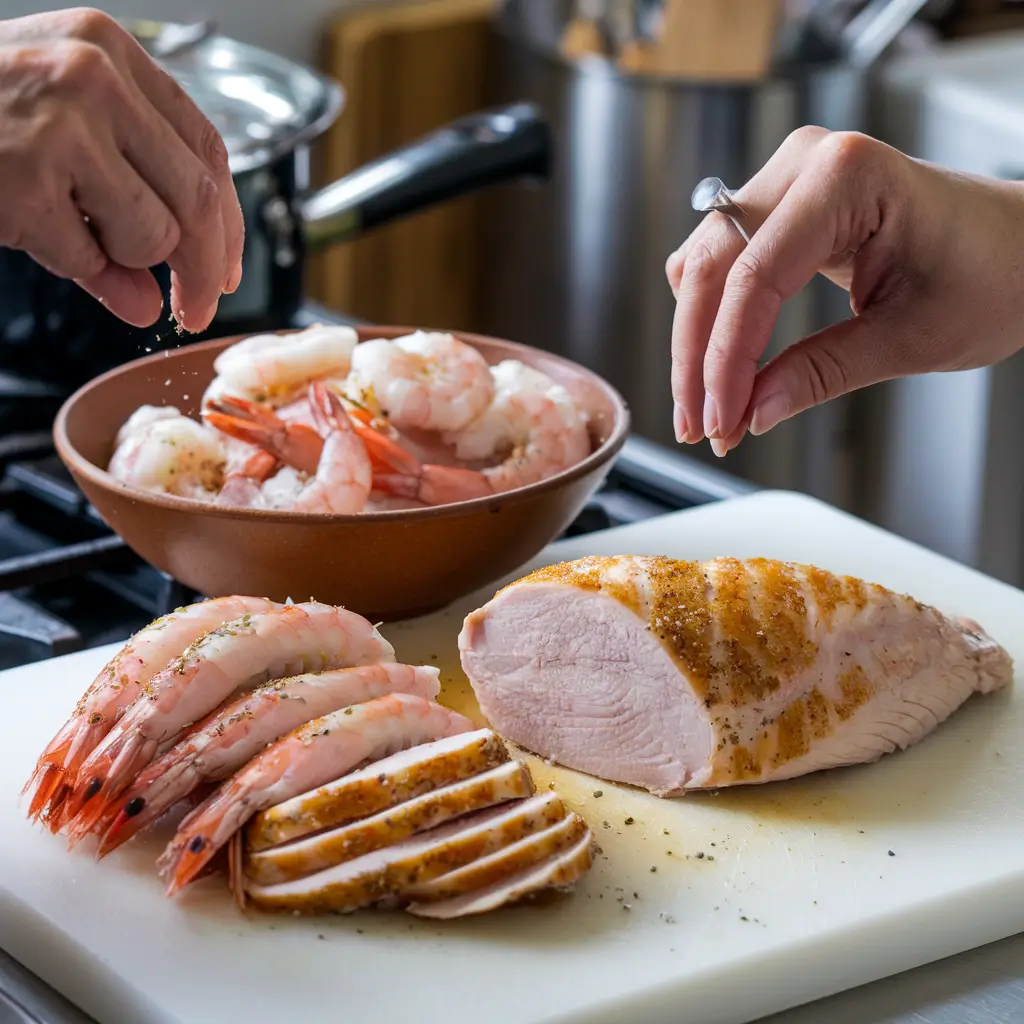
{"type": "Point", "coordinates": [474, 151]}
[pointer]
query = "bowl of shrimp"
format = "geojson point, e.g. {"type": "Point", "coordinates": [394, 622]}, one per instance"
{"type": "Point", "coordinates": [387, 469]}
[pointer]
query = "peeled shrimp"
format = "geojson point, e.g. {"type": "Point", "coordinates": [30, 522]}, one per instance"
{"type": "Point", "coordinates": [532, 425]}
{"type": "Point", "coordinates": [425, 381]}
{"type": "Point", "coordinates": [169, 455]}
{"type": "Point", "coordinates": [316, 753]}
{"type": "Point", "coordinates": [235, 733]}
{"type": "Point", "coordinates": [115, 688]}
{"type": "Point", "coordinates": [242, 653]}
{"type": "Point", "coordinates": [274, 369]}
{"type": "Point", "coordinates": [330, 473]}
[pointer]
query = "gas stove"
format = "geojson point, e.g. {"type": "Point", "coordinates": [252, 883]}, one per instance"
{"type": "Point", "coordinates": [68, 583]}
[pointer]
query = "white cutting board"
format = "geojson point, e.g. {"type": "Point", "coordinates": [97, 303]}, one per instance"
{"type": "Point", "coordinates": [796, 896]}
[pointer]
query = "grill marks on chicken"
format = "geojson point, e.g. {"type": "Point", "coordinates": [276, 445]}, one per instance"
{"type": "Point", "coordinates": [455, 824]}
{"type": "Point", "coordinates": [679, 675]}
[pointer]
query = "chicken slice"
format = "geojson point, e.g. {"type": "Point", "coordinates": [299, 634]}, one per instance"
{"type": "Point", "coordinates": [559, 871]}
{"type": "Point", "coordinates": [504, 863]}
{"type": "Point", "coordinates": [675, 675]}
{"type": "Point", "coordinates": [384, 874]}
{"type": "Point", "coordinates": [510, 781]}
{"type": "Point", "coordinates": [377, 787]}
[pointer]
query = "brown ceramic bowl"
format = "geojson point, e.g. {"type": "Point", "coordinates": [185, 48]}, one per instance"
{"type": "Point", "coordinates": [385, 565]}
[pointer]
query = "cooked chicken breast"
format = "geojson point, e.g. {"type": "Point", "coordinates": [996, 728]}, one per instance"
{"type": "Point", "coordinates": [386, 873]}
{"type": "Point", "coordinates": [558, 871]}
{"type": "Point", "coordinates": [508, 862]}
{"type": "Point", "coordinates": [674, 675]}
{"type": "Point", "coordinates": [377, 787]}
{"type": "Point", "coordinates": [452, 818]}
{"type": "Point", "coordinates": [509, 781]}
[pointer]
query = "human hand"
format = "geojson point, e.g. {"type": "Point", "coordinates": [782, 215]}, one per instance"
{"type": "Point", "coordinates": [932, 260]}
{"type": "Point", "coordinates": [91, 127]}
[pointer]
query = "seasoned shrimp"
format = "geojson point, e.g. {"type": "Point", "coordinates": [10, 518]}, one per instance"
{"type": "Point", "coordinates": [330, 474]}
{"type": "Point", "coordinates": [169, 455]}
{"type": "Point", "coordinates": [142, 419]}
{"type": "Point", "coordinates": [422, 381]}
{"type": "Point", "coordinates": [235, 733]}
{"type": "Point", "coordinates": [239, 654]}
{"type": "Point", "coordinates": [116, 687]}
{"type": "Point", "coordinates": [316, 753]}
{"type": "Point", "coordinates": [532, 425]}
{"type": "Point", "coordinates": [274, 369]}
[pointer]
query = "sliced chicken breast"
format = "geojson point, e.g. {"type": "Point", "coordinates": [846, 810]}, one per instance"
{"type": "Point", "coordinates": [385, 874]}
{"type": "Point", "coordinates": [558, 871]}
{"type": "Point", "coordinates": [510, 781]}
{"type": "Point", "coordinates": [673, 675]}
{"type": "Point", "coordinates": [378, 786]}
{"type": "Point", "coordinates": [503, 864]}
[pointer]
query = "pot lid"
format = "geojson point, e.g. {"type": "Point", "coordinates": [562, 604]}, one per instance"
{"type": "Point", "coordinates": [262, 104]}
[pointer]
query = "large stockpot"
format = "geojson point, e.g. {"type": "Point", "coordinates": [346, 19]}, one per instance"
{"type": "Point", "coordinates": [268, 110]}
{"type": "Point", "coordinates": [578, 267]}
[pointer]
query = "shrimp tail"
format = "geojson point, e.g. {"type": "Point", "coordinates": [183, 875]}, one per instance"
{"type": "Point", "coordinates": [166, 781]}
{"type": "Point", "coordinates": [201, 835]}
{"type": "Point", "coordinates": [436, 485]}
{"type": "Point", "coordinates": [296, 444]}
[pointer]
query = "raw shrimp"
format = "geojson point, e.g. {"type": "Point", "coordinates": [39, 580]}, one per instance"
{"type": "Point", "coordinates": [116, 687]}
{"type": "Point", "coordinates": [235, 733]}
{"type": "Point", "coordinates": [169, 455]}
{"type": "Point", "coordinates": [532, 425]}
{"type": "Point", "coordinates": [425, 381]}
{"type": "Point", "coordinates": [274, 369]}
{"type": "Point", "coordinates": [330, 474]}
{"type": "Point", "coordinates": [242, 653]}
{"type": "Point", "coordinates": [318, 752]}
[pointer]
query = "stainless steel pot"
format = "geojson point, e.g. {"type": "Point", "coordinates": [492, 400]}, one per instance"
{"type": "Point", "coordinates": [268, 110]}
{"type": "Point", "coordinates": [578, 267]}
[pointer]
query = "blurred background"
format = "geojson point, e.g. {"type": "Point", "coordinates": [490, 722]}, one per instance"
{"type": "Point", "coordinates": [645, 98]}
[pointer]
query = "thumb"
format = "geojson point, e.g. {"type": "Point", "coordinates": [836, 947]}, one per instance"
{"type": "Point", "coordinates": [823, 366]}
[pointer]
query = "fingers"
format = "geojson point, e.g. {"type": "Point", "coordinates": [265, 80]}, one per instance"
{"type": "Point", "coordinates": [816, 220]}
{"type": "Point", "coordinates": [177, 152]}
{"type": "Point", "coordinates": [833, 362]}
{"type": "Point", "coordinates": [132, 295]}
{"type": "Point", "coordinates": [698, 294]}
{"type": "Point", "coordinates": [199, 134]}
{"type": "Point", "coordinates": [61, 241]}
{"type": "Point", "coordinates": [132, 224]}
{"type": "Point", "coordinates": [199, 259]}
{"type": "Point", "coordinates": [697, 273]}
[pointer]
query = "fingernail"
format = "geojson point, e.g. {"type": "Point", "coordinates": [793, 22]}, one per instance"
{"type": "Point", "coordinates": [718, 447]}
{"type": "Point", "coordinates": [679, 424]}
{"type": "Point", "coordinates": [770, 412]}
{"type": "Point", "coordinates": [234, 280]}
{"type": "Point", "coordinates": [710, 417]}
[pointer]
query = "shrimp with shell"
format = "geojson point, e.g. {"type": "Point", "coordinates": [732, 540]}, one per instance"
{"type": "Point", "coordinates": [116, 688]}
{"type": "Point", "coordinates": [237, 655]}
{"type": "Point", "coordinates": [318, 752]}
{"type": "Point", "coordinates": [228, 738]}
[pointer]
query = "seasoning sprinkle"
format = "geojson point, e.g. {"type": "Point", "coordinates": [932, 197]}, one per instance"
{"type": "Point", "coordinates": [629, 821]}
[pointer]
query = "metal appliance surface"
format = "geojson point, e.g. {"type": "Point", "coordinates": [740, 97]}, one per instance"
{"type": "Point", "coordinates": [269, 111]}
{"type": "Point", "coordinates": [944, 448]}
{"type": "Point", "coordinates": [67, 583]}
{"type": "Point", "coordinates": [578, 267]}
